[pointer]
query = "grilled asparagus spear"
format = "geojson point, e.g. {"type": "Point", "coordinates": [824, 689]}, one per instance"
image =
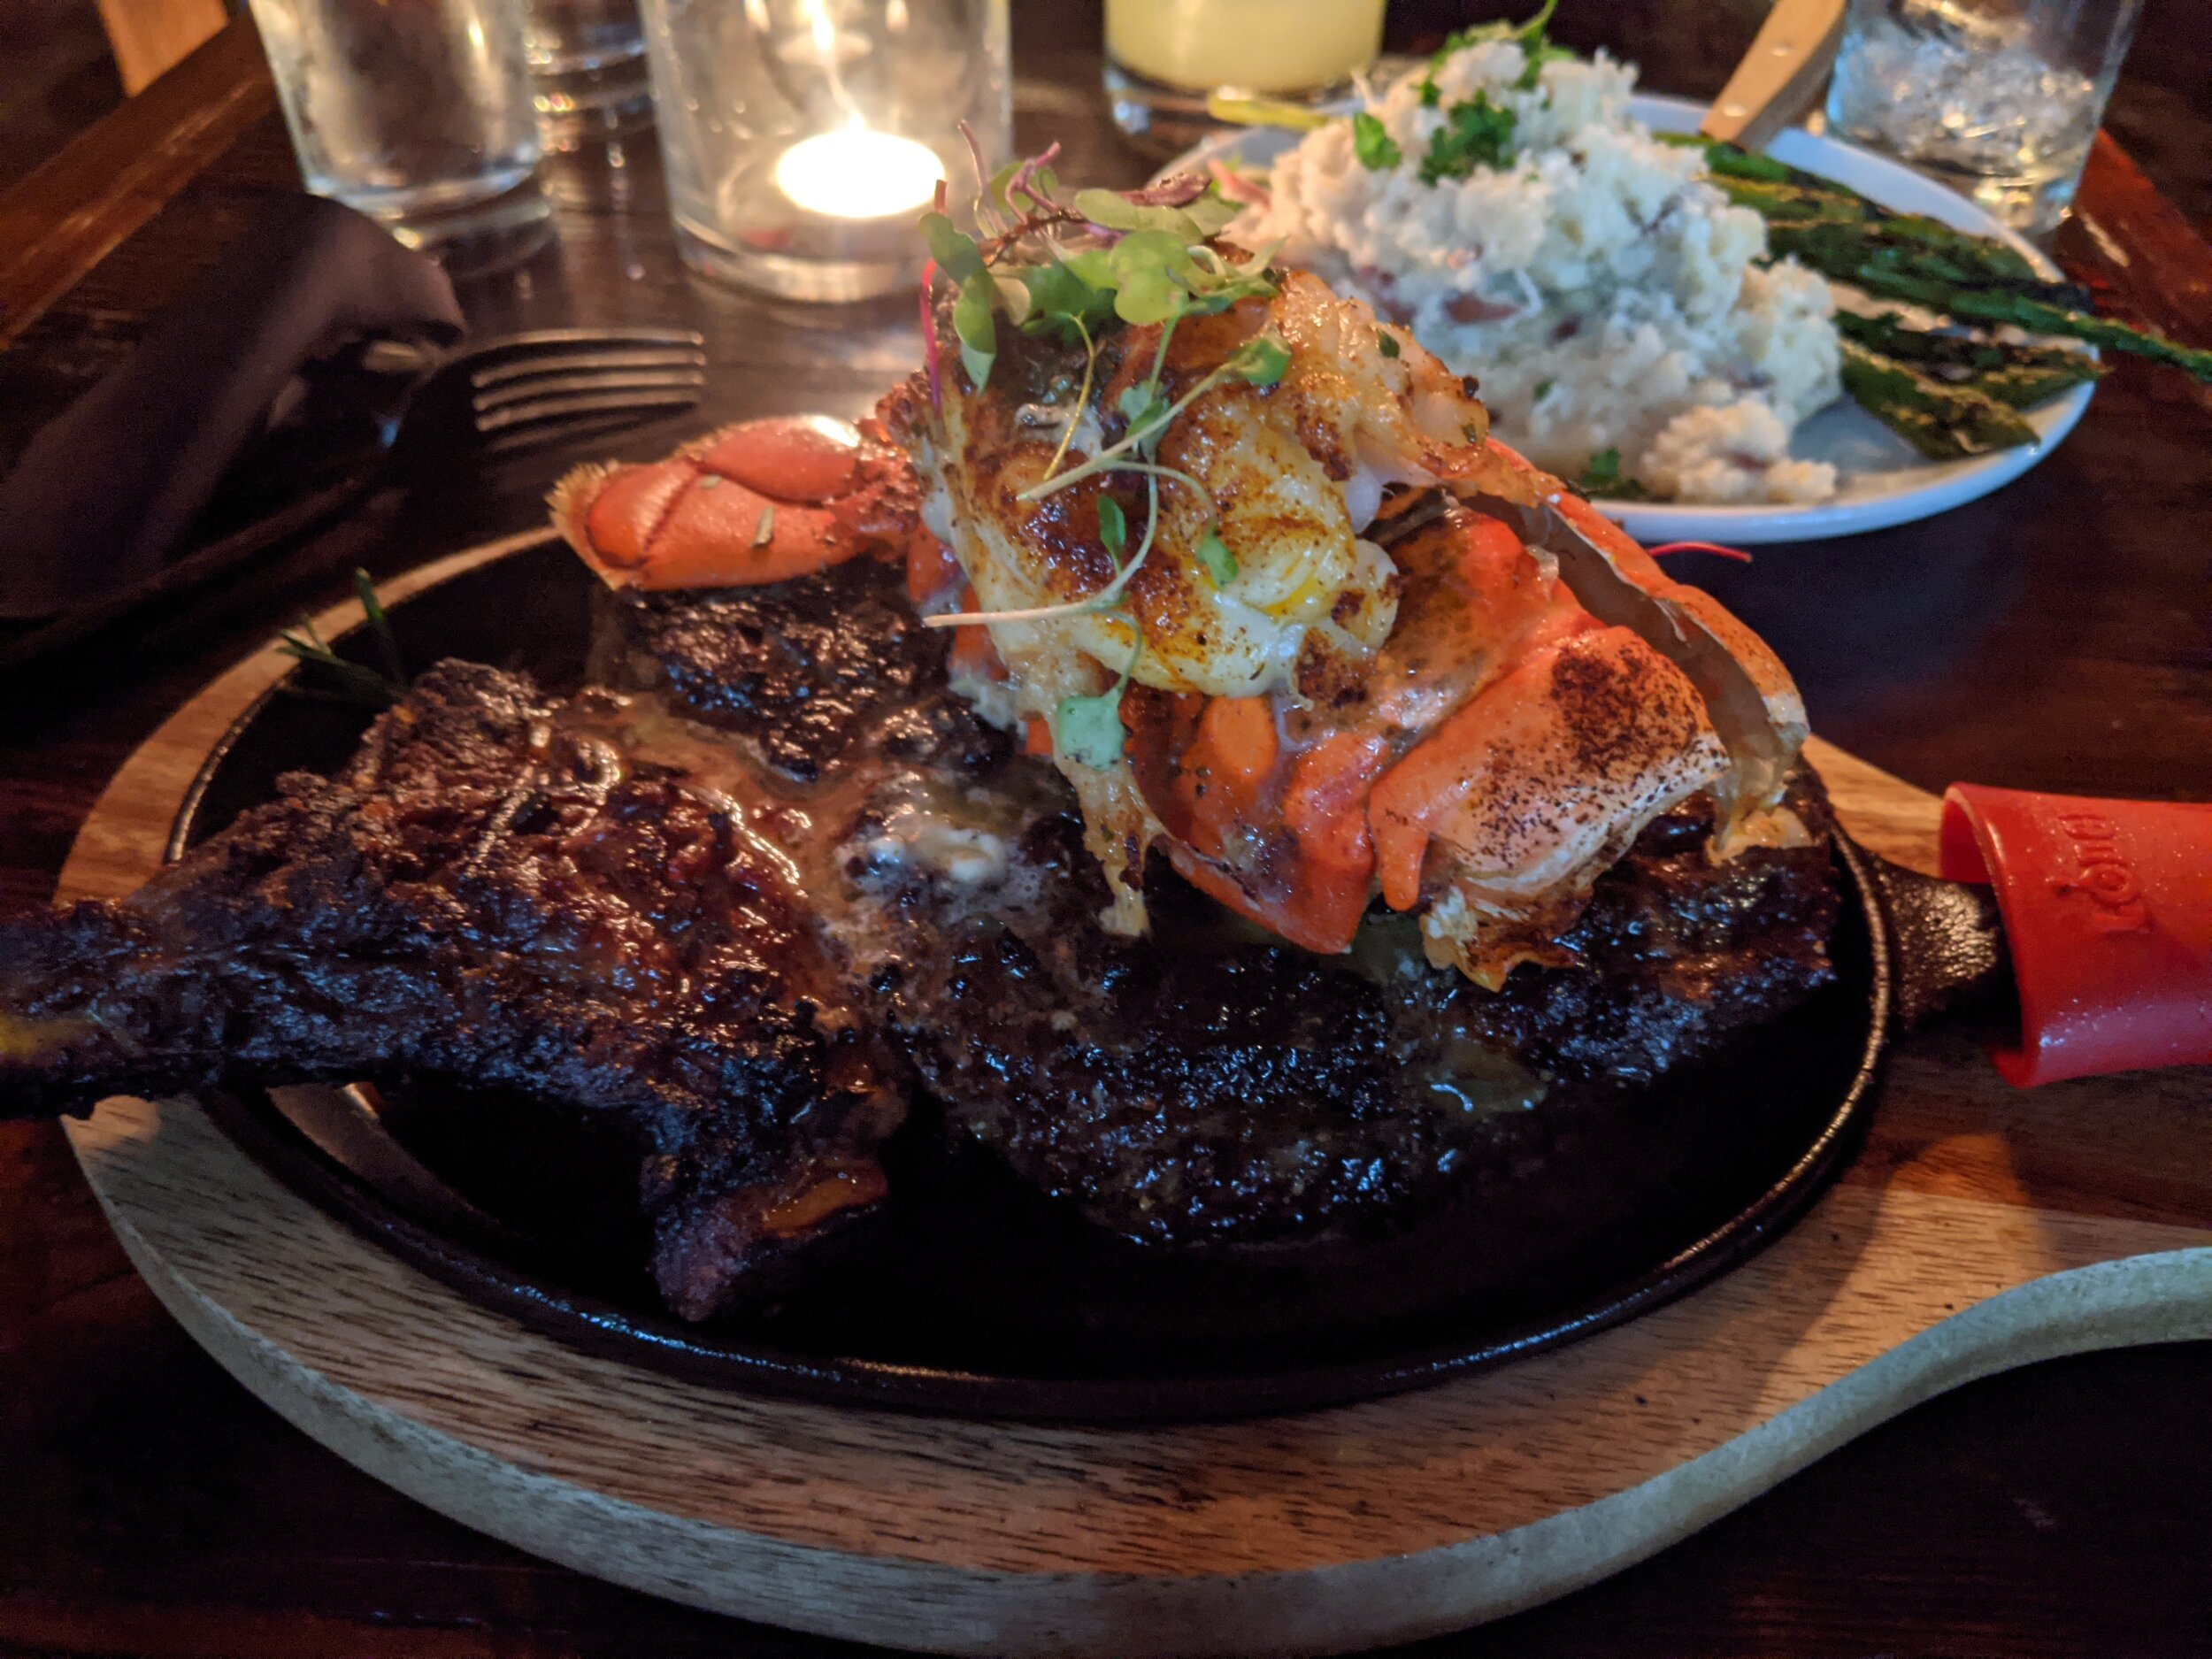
{"type": "Point", "coordinates": [1907, 256]}
{"type": "Point", "coordinates": [1945, 423]}
{"type": "Point", "coordinates": [2020, 375]}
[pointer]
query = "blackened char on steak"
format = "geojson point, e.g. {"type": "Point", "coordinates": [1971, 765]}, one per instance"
{"type": "Point", "coordinates": [504, 890]}
{"type": "Point", "coordinates": [774, 877]}
{"type": "Point", "coordinates": [1210, 1087]}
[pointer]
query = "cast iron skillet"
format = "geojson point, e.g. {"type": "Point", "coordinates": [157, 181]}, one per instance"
{"type": "Point", "coordinates": [984, 1305]}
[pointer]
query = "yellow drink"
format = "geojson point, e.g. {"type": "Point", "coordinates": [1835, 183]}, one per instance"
{"type": "Point", "coordinates": [1271, 46]}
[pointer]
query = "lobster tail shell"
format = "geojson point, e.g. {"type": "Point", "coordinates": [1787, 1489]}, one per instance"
{"type": "Point", "coordinates": [762, 501]}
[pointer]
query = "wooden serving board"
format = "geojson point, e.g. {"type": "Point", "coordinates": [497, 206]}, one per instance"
{"type": "Point", "coordinates": [1980, 1228]}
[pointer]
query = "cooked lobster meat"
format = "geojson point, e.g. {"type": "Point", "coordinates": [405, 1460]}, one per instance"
{"type": "Point", "coordinates": [1174, 533]}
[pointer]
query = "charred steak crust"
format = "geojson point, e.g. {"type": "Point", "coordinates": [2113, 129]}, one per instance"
{"type": "Point", "coordinates": [1208, 1088]}
{"type": "Point", "coordinates": [601, 909]}
{"type": "Point", "coordinates": [496, 891]}
{"type": "Point", "coordinates": [808, 670]}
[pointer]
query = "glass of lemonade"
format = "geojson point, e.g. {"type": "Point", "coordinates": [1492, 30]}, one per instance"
{"type": "Point", "coordinates": [1998, 98]}
{"type": "Point", "coordinates": [418, 112]}
{"type": "Point", "coordinates": [1164, 57]}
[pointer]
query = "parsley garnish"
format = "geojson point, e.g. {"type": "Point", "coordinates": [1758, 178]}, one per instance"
{"type": "Point", "coordinates": [1603, 477]}
{"type": "Point", "coordinates": [1476, 133]}
{"type": "Point", "coordinates": [1432, 95]}
{"type": "Point", "coordinates": [1386, 342]}
{"type": "Point", "coordinates": [1541, 51]}
{"type": "Point", "coordinates": [1523, 34]}
{"type": "Point", "coordinates": [1372, 143]}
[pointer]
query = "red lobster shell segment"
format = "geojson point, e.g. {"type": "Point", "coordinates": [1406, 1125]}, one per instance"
{"type": "Point", "coordinates": [758, 502]}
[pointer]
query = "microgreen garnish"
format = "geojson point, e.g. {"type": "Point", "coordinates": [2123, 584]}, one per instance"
{"type": "Point", "coordinates": [1261, 361]}
{"type": "Point", "coordinates": [1196, 220]}
{"type": "Point", "coordinates": [1258, 362]}
{"type": "Point", "coordinates": [1476, 133]}
{"type": "Point", "coordinates": [1214, 554]}
{"type": "Point", "coordinates": [1088, 730]}
{"type": "Point", "coordinates": [1113, 528]}
{"type": "Point", "coordinates": [1372, 143]}
{"type": "Point", "coordinates": [349, 681]}
{"type": "Point", "coordinates": [1073, 270]}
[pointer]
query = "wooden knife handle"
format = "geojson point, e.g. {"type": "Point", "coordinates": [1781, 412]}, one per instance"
{"type": "Point", "coordinates": [1780, 76]}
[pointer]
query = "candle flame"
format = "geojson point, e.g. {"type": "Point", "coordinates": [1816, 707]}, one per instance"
{"type": "Point", "coordinates": [857, 173]}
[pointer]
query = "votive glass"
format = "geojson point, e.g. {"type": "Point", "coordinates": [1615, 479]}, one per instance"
{"type": "Point", "coordinates": [418, 112]}
{"type": "Point", "coordinates": [1165, 57]}
{"type": "Point", "coordinates": [803, 139]}
{"type": "Point", "coordinates": [587, 72]}
{"type": "Point", "coordinates": [1998, 99]}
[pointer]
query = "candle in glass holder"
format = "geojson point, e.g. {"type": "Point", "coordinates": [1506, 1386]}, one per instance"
{"type": "Point", "coordinates": [1162, 58]}
{"type": "Point", "coordinates": [859, 174]}
{"type": "Point", "coordinates": [803, 138]}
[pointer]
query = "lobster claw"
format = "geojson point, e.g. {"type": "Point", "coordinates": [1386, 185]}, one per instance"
{"type": "Point", "coordinates": [762, 501]}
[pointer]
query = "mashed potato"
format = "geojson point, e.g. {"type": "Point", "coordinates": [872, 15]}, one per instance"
{"type": "Point", "coordinates": [1607, 295]}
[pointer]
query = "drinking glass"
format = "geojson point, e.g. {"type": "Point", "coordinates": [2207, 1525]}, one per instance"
{"type": "Point", "coordinates": [1164, 57]}
{"type": "Point", "coordinates": [416, 112]}
{"type": "Point", "coordinates": [586, 70]}
{"type": "Point", "coordinates": [1998, 98]}
{"type": "Point", "coordinates": [804, 138]}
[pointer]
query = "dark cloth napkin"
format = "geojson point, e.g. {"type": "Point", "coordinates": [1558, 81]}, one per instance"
{"type": "Point", "coordinates": [103, 494]}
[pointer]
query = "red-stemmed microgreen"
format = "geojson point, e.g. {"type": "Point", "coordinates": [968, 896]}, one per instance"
{"type": "Point", "coordinates": [1258, 362]}
{"type": "Point", "coordinates": [1073, 270]}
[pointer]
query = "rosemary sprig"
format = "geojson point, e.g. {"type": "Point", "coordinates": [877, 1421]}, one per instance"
{"type": "Point", "coordinates": [346, 680]}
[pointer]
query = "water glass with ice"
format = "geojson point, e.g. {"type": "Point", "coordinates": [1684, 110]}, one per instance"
{"type": "Point", "coordinates": [587, 70]}
{"type": "Point", "coordinates": [418, 112]}
{"type": "Point", "coordinates": [1998, 98]}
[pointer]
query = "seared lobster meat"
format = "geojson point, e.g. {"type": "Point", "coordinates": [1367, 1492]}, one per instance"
{"type": "Point", "coordinates": [1350, 661]}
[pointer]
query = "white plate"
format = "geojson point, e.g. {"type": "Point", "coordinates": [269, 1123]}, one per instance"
{"type": "Point", "coordinates": [1882, 480]}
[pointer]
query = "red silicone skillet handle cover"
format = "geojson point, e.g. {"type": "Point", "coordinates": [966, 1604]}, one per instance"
{"type": "Point", "coordinates": [2108, 908]}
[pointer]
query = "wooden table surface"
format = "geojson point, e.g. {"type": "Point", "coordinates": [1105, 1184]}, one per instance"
{"type": "Point", "coordinates": [2057, 635]}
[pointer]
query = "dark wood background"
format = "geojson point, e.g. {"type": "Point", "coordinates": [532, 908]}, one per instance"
{"type": "Point", "coordinates": [2057, 635]}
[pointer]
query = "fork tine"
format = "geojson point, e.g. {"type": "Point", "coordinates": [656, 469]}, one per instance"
{"type": "Point", "coordinates": [576, 430]}
{"type": "Point", "coordinates": [583, 403]}
{"type": "Point", "coordinates": [583, 340]}
{"type": "Point", "coordinates": [552, 384]}
{"type": "Point", "coordinates": [571, 361]}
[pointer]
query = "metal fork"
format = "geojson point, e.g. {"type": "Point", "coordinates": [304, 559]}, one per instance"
{"type": "Point", "coordinates": [523, 391]}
